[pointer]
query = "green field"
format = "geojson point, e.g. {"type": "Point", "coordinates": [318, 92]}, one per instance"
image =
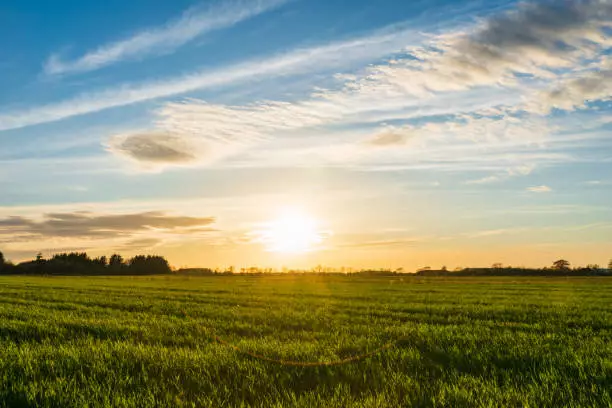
{"type": "Point", "coordinates": [76, 342]}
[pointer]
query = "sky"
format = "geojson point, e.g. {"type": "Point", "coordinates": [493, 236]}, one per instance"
{"type": "Point", "coordinates": [296, 133]}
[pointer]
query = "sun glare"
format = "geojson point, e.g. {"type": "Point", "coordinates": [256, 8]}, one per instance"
{"type": "Point", "coordinates": [292, 232]}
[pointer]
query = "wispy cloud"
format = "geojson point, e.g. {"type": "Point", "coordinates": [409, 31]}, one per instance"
{"type": "Point", "coordinates": [485, 180]}
{"type": "Point", "coordinates": [576, 92]}
{"type": "Point", "coordinates": [544, 42]}
{"type": "Point", "coordinates": [192, 24]}
{"type": "Point", "coordinates": [534, 39]}
{"type": "Point", "coordinates": [537, 40]}
{"type": "Point", "coordinates": [194, 132]}
{"type": "Point", "coordinates": [539, 189]}
{"type": "Point", "coordinates": [494, 232]}
{"type": "Point", "coordinates": [457, 74]}
{"type": "Point", "coordinates": [335, 55]}
{"type": "Point", "coordinates": [521, 170]}
{"type": "Point", "coordinates": [384, 243]}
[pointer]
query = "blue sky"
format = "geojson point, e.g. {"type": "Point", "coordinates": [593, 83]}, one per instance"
{"type": "Point", "coordinates": [412, 133]}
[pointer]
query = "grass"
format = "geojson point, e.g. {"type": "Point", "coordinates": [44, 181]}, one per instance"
{"type": "Point", "coordinates": [122, 342]}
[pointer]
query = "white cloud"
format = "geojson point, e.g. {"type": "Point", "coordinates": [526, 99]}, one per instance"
{"type": "Point", "coordinates": [193, 23]}
{"type": "Point", "coordinates": [333, 55]}
{"type": "Point", "coordinates": [194, 132]}
{"type": "Point", "coordinates": [574, 93]}
{"type": "Point", "coordinates": [466, 75]}
{"type": "Point", "coordinates": [495, 232]}
{"type": "Point", "coordinates": [539, 189]}
{"type": "Point", "coordinates": [536, 40]}
{"type": "Point", "coordinates": [484, 180]}
{"type": "Point", "coordinates": [519, 170]}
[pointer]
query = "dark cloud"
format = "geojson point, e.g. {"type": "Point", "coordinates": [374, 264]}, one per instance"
{"type": "Point", "coordinates": [154, 147]}
{"type": "Point", "coordinates": [85, 224]}
{"type": "Point", "coordinates": [541, 25]}
{"type": "Point", "coordinates": [532, 39]}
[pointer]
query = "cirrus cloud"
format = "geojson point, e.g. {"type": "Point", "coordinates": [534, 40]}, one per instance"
{"type": "Point", "coordinates": [192, 24]}
{"type": "Point", "coordinates": [539, 189]}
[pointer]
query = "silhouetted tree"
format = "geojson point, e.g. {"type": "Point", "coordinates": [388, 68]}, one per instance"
{"type": "Point", "coordinates": [610, 265]}
{"type": "Point", "coordinates": [196, 271]}
{"type": "Point", "coordinates": [116, 263]}
{"type": "Point", "coordinates": [73, 263]}
{"type": "Point", "coordinates": [149, 265]}
{"type": "Point", "coordinates": [561, 265]}
{"type": "Point", "coordinates": [4, 266]}
{"type": "Point", "coordinates": [101, 261]}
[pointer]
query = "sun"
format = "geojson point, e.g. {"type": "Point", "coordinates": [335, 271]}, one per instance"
{"type": "Point", "coordinates": [293, 232]}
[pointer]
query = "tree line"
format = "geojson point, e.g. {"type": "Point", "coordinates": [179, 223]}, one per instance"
{"type": "Point", "coordinates": [560, 267]}
{"type": "Point", "coordinates": [80, 263]}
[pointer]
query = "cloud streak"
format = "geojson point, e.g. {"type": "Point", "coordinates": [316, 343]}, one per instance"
{"type": "Point", "coordinates": [334, 55]}
{"type": "Point", "coordinates": [539, 189]}
{"type": "Point", "coordinates": [536, 40]}
{"type": "Point", "coordinates": [192, 24]}
{"type": "Point", "coordinates": [90, 225]}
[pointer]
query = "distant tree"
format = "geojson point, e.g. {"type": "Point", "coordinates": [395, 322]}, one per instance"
{"type": "Point", "coordinates": [561, 265]}
{"type": "Point", "coordinates": [149, 265]}
{"type": "Point", "coordinates": [116, 261]}
{"type": "Point", "coordinates": [443, 268]}
{"type": "Point", "coordinates": [72, 263]}
{"type": "Point", "coordinates": [425, 268]}
{"type": "Point", "coordinates": [497, 265]}
{"type": "Point", "coordinates": [39, 257]}
{"type": "Point", "coordinates": [610, 264]}
{"type": "Point", "coordinates": [195, 271]}
{"type": "Point", "coordinates": [2, 260]}
{"type": "Point", "coordinates": [74, 257]}
{"type": "Point", "coordinates": [101, 261]}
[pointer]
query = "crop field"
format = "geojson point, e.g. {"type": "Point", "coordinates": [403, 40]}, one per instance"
{"type": "Point", "coordinates": [176, 341]}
